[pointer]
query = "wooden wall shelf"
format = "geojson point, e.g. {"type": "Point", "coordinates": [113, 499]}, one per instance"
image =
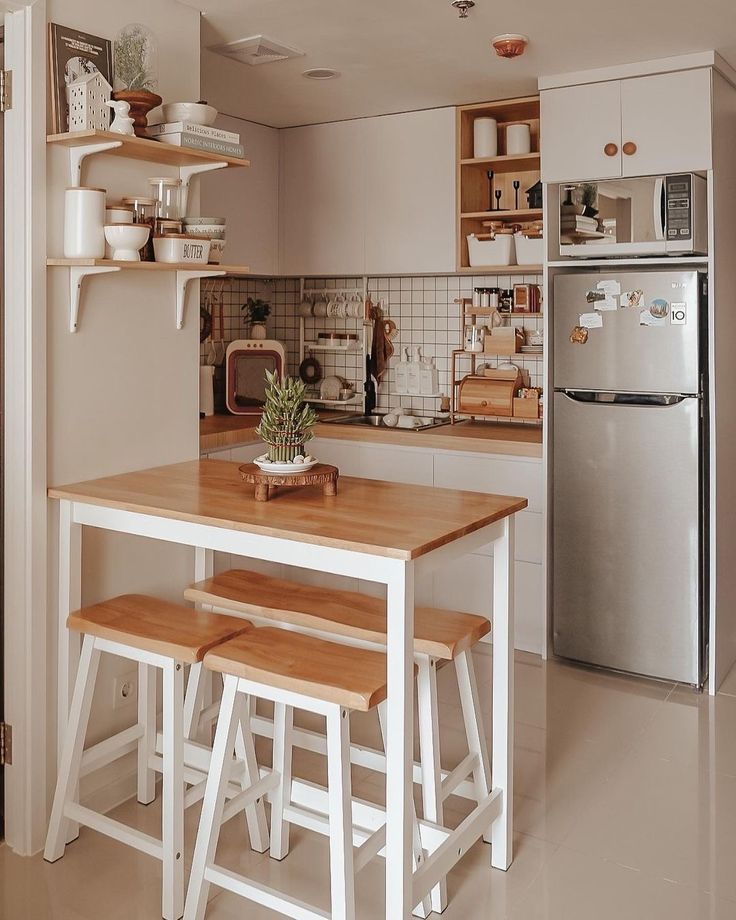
{"type": "Point", "coordinates": [475, 200]}
{"type": "Point", "coordinates": [500, 270]}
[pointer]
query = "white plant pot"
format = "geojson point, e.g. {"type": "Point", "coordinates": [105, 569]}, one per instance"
{"type": "Point", "coordinates": [258, 330]}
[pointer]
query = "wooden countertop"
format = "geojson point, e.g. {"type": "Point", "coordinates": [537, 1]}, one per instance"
{"type": "Point", "coordinates": [218, 432]}
{"type": "Point", "coordinates": [369, 516]}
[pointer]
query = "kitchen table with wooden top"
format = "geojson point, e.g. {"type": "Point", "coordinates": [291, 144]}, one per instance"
{"type": "Point", "coordinates": [377, 531]}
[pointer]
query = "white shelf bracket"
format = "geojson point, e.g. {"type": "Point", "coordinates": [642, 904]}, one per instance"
{"type": "Point", "coordinates": [78, 154]}
{"type": "Point", "coordinates": [182, 280]}
{"type": "Point", "coordinates": [77, 274]}
{"type": "Point", "coordinates": [186, 173]}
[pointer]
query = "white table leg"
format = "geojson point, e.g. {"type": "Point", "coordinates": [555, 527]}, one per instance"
{"type": "Point", "coordinates": [502, 757]}
{"type": "Point", "coordinates": [68, 643]}
{"type": "Point", "coordinates": [400, 743]}
{"type": "Point", "coordinates": [199, 683]}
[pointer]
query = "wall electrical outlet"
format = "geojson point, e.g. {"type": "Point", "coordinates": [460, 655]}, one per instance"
{"type": "Point", "coordinates": [125, 690]}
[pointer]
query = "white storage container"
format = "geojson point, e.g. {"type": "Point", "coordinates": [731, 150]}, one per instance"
{"type": "Point", "coordinates": [499, 251]}
{"type": "Point", "coordinates": [528, 252]}
{"type": "Point", "coordinates": [180, 248]}
{"type": "Point", "coordinates": [84, 223]}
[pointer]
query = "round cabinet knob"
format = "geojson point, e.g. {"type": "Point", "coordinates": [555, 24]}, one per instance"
{"type": "Point", "coordinates": [484, 402]}
{"type": "Point", "coordinates": [629, 148]}
{"type": "Point", "coordinates": [610, 150]}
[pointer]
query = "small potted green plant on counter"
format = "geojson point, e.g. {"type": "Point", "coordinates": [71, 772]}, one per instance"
{"type": "Point", "coordinates": [256, 313]}
{"type": "Point", "coordinates": [287, 421]}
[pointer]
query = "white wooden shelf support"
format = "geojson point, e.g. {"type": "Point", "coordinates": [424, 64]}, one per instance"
{"type": "Point", "coordinates": [77, 274]}
{"type": "Point", "coordinates": [183, 278]}
{"type": "Point", "coordinates": [78, 154]}
{"type": "Point", "coordinates": [186, 173]}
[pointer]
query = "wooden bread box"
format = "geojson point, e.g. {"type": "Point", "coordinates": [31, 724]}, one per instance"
{"type": "Point", "coordinates": [487, 396]}
{"type": "Point", "coordinates": [504, 340]}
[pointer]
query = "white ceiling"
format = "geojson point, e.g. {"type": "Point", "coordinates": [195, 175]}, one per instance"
{"type": "Point", "coordinates": [412, 54]}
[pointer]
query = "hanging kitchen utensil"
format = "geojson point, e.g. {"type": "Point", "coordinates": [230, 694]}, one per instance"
{"type": "Point", "coordinates": [310, 371]}
{"type": "Point", "coordinates": [211, 353]}
{"type": "Point", "coordinates": [220, 347]}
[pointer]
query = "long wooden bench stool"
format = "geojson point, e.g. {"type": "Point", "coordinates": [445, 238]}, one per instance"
{"type": "Point", "coordinates": [293, 671]}
{"type": "Point", "coordinates": [163, 636]}
{"type": "Point", "coordinates": [441, 637]}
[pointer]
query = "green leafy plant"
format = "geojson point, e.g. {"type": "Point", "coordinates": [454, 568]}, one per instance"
{"type": "Point", "coordinates": [256, 311]}
{"type": "Point", "coordinates": [135, 64]}
{"type": "Point", "coordinates": [287, 421]}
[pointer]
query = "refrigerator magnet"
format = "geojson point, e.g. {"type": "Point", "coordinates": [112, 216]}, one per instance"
{"type": "Point", "coordinates": [609, 287]}
{"type": "Point", "coordinates": [631, 298]}
{"type": "Point", "coordinates": [646, 318]}
{"type": "Point", "coordinates": [595, 296]}
{"type": "Point", "coordinates": [591, 320]}
{"type": "Point", "coordinates": [609, 302]}
{"type": "Point", "coordinates": [659, 308]}
{"type": "Point", "coordinates": [579, 335]}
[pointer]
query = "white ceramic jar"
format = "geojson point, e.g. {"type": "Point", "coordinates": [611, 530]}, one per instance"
{"type": "Point", "coordinates": [485, 137]}
{"type": "Point", "coordinates": [84, 223]}
{"type": "Point", "coordinates": [518, 140]}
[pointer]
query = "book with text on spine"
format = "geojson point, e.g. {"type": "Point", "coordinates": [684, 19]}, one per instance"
{"type": "Point", "coordinates": [183, 127]}
{"type": "Point", "coordinates": [203, 143]}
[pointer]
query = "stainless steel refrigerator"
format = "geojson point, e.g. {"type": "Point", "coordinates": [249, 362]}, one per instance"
{"type": "Point", "coordinates": [630, 468]}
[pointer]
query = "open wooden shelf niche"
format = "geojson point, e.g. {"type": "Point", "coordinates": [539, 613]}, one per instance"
{"type": "Point", "coordinates": [474, 202]}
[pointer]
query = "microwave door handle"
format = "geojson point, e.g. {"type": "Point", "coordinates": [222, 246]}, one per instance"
{"type": "Point", "coordinates": [659, 208]}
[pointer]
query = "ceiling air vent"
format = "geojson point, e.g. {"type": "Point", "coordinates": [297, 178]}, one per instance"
{"type": "Point", "coordinates": [258, 49]}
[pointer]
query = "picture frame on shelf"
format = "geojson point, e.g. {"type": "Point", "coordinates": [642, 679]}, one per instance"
{"type": "Point", "coordinates": [72, 56]}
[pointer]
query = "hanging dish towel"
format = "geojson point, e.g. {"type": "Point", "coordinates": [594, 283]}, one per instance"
{"type": "Point", "coordinates": [382, 350]}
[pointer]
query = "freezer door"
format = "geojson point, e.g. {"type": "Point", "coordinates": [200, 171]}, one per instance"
{"type": "Point", "coordinates": [626, 536]}
{"type": "Point", "coordinates": [625, 354]}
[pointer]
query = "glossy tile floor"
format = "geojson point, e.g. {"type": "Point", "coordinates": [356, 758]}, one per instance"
{"type": "Point", "coordinates": [625, 809]}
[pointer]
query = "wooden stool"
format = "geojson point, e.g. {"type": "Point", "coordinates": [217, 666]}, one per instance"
{"type": "Point", "coordinates": [440, 637]}
{"type": "Point", "coordinates": [292, 670]}
{"type": "Point", "coordinates": [160, 635]}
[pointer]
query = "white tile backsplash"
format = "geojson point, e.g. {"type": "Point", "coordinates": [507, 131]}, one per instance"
{"type": "Point", "coordinates": [423, 309]}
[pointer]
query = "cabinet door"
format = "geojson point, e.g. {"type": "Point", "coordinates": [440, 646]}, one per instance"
{"type": "Point", "coordinates": [410, 193]}
{"type": "Point", "coordinates": [578, 122]}
{"type": "Point", "coordinates": [668, 117]}
{"type": "Point", "coordinates": [321, 197]}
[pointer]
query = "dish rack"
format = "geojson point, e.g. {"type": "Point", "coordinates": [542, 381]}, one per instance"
{"type": "Point", "coordinates": [314, 346]}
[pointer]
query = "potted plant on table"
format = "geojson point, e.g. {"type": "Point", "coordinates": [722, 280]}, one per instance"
{"type": "Point", "coordinates": [256, 312]}
{"type": "Point", "coordinates": [287, 421]}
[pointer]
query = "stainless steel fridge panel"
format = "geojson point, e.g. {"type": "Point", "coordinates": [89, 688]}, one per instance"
{"type": "Point", "coordinates": [624, 355]}
{"type": "Point", "coordinates": [626, 536]}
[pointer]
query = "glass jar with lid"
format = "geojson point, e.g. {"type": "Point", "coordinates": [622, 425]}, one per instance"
{"type": "Point", "coordinates": [145, 213]}
{"type": "Point", "coordinates": [167, 192]}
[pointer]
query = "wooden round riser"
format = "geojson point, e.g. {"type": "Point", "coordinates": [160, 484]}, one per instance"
{"type": "Point", "coordinates": [266, 483]}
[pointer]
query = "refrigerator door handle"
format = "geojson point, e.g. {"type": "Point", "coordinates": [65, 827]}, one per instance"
{"type": "Point", "coordinates": [626, 399]}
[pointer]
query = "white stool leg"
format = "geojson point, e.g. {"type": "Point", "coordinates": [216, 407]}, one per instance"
{"type": "Point", "coordinates": [214, 801]}
{"type": "Point", "coordinates": [71, 757]}
{"type": "Point", "coordinates": [424, 908]}
{"type": "Point", "coordinates": [473, 719]}
{"type": "Point", "coordinates": [173, 792]}
{"type": "Point", "coordinates": [255, 813]}
{"type": "Point", "coordinates": [342, 873]}
{"type": "Point", "coordinates": [194, 701]}
{"type": "Point", "coordinates": [429, 747]}
{"type": "Point", "coordinates": [283, 726]}
{"type": "Point", "coordinates": [147, 741]}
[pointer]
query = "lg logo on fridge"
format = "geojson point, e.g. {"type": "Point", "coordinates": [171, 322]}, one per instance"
{"type": "Point", "coordinates": [678, 314]}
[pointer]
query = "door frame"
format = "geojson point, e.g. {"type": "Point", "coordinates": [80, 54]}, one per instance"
{"type": "Point", "coordinates": [25, 549]}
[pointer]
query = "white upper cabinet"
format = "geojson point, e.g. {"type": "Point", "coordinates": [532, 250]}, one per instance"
{"type": "Point", "coordinates": [410, 193]}
{"type": "Point", "coordinates": [321, 199]}
{"type": "Point", "coordinates": [668, 118]}
{"type": "Point", "coordinates": [581, 132]}
{"type": "Point", "coordinates": [635, 127]}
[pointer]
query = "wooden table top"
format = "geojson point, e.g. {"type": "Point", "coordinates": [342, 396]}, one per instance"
{"type": "Point", "coordinates": [369, 516]}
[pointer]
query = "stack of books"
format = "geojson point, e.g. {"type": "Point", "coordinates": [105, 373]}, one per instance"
{"type": "Point", "coordinates": [577, 224]}
{"type": "Point", "coordinates": [199, 137]}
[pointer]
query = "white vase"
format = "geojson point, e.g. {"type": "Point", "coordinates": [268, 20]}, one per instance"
{"type": "Point", "coordinates": [84, 223]}
{"type": "Point", "coordinates": [518, 140]}
{"type": "Point", "coordinates": [258, 330]}
{"type": "Point", "coordinates": [485, 137]}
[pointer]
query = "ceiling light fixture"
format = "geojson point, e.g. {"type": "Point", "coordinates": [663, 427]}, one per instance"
{"type": "Point", "coordinates": [463, 7]}
{"type": "Point", "coordinates": [510, 45]}
{"type": "Point", "coordinates": [321, 73]}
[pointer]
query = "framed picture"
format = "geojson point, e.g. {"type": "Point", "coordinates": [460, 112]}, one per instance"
{"type": "Point", "coordinates": [73, 55]}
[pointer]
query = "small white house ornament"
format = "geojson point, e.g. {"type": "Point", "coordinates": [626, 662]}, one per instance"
{"type": "Point", "coordinates": [122, 123]}
{"type": "Point", "coordinates": [88, 98]}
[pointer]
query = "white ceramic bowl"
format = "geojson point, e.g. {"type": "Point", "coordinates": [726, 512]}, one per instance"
{"type": "Point", "coordinates": [390, 419]}
{"type": "Point", "coordinates": [195, 113]}
{"type": "Point", "coordinates": [125, 240]}
{"type": "Point", "coordinates": [175, 248]}
{"type": "Point", "coordinates": [194, 221]}
{"type": "Point", "coordinates": [216, 249]}
{"type": "Point", "coordinates": [211, 231]}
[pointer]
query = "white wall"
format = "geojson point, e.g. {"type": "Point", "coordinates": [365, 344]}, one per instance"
{"type": "Point", "coordinates": [122, 392]}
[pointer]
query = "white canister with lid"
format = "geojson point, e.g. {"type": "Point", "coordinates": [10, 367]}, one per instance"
{"type": "Point", "coordinates": [485, 137]}
{"type": "Point", "coordinates": [518, 139]}
{"type": "Point", "coordinates": [84, 223]}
